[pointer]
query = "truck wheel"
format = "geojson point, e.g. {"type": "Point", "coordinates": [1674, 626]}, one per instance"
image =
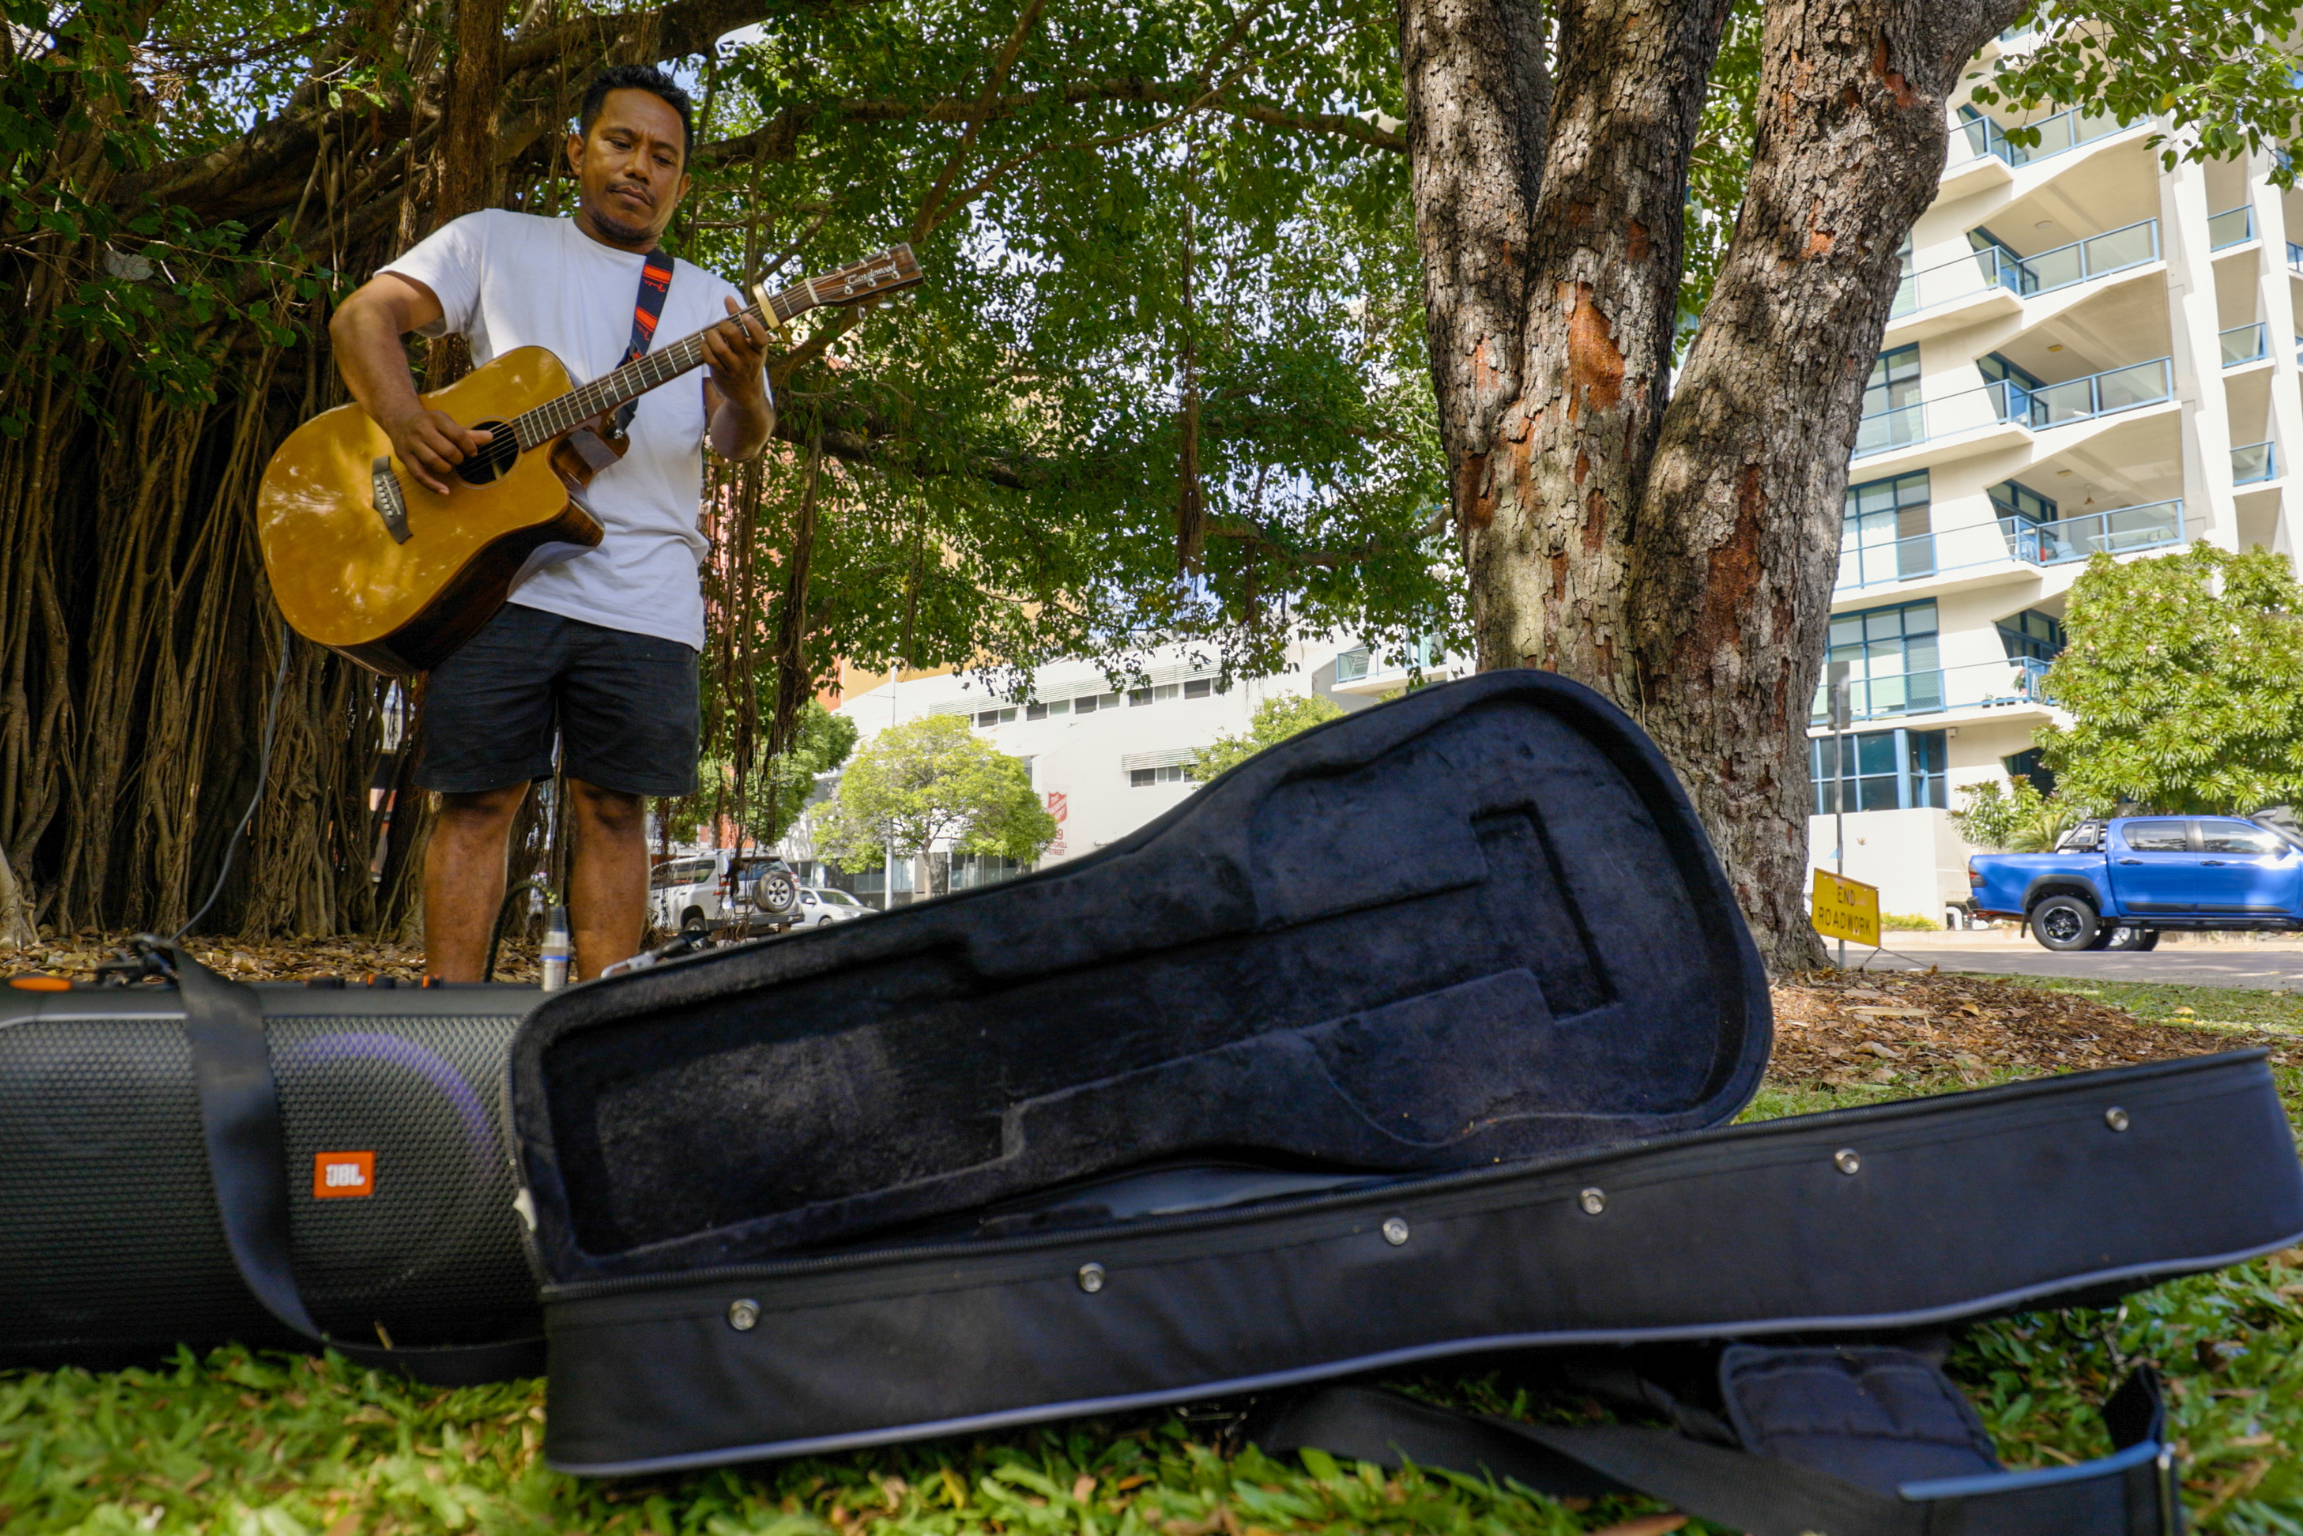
{"type": "Point", "coordinates": [2150, 939]}
{"type": "Point", "coordinates": [2128, 937]}
{"type": "Point", "coordinates": [692, 921]}
{"type": "Point", "coordinates": [2064, 924]}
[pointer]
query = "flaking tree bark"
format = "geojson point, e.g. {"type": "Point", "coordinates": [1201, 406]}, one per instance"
{"type": "Point", "coordinates": [1677, 553]}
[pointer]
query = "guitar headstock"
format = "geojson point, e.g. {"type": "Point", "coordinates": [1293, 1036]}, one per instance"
{"type": "Point", "coordinates": [891, 271]}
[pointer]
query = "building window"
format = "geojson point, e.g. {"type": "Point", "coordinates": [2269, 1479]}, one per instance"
{"type": "Point", "coordinates": [1885, 533]}
{"type": "Point", "coordinates": [1198, 687]}
{"type": "Point", "coordinates": [1882, 771]}
{"type": "Point", "coordinates": [1894, 381]}
{"type": "Point", "coordinates": [986, 718]}
{"type": "Point", "coordinates": [1094, 702]}
{"type": "Point", "coordinates": [1047, 711]}
{"type": "Point", "coordinates": [1144, 778]}
{"type": "Point", "coordinates": [2033, 634]}
{"type": "Point", "coordinates": [2026, 765]}
{"type": "Point", "coordinates": [2012, 498]}
{"type": "Point", "coordinates": [1892, 660]}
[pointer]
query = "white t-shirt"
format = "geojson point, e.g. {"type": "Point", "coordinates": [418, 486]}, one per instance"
{"type": "Point", "coordinates": [507, 280]}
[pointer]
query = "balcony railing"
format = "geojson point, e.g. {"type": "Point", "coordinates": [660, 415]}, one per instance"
{"type": "Point", "coordinates": [2064, 131]}
{"type": "Point", "coordinates": [2294, 257]}
{"type": "Point", "coordinates": [2121, 531]}
{"type": "Point", "coordinates": [2233, 226]}
{"type": "Point", "coordinates": [2254, 463]}
{"type": "Point", "coordinates": [1995, 267]}
{"type": "Point", "coordinates": [1983, 685]}
{"type": "Point", "coordinates": [2245, 344]}
{"type": "Point", "coordinates": [2051, 405]}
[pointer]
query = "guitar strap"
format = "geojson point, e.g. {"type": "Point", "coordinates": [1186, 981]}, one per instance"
{"type": "Point", "coordinates": [655, 282]}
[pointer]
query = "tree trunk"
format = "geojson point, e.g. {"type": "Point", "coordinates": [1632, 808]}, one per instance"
{"type": "Point", "coordinates": [1738, 535]}
{"type": "Point", "coordinates": [1678, 560]}
{"type": "Point", "coordinates": [16, 928]}
{"type": "Point", "coordinates": [1550, 534]}
{"type": "Point", "coordinates": [1477, 92]}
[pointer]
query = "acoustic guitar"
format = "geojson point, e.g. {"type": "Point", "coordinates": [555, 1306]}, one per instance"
{"type": "Point", "coordinates": [366, 560]}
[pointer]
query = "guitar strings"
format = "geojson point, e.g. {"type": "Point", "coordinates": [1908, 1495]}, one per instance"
{"type": "Point", "coordinates": [644, 373]}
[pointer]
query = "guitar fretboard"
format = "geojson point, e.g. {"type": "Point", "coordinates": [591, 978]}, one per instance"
{"type": "Point", "coordinates": [640, 375]}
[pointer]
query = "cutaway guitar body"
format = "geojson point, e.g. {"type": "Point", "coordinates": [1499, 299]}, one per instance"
{"type": "Point", "coordinates": [399, 587]}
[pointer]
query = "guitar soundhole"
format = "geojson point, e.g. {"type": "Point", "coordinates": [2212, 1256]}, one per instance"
{"type": "Point", "coordinates": [495, 458]}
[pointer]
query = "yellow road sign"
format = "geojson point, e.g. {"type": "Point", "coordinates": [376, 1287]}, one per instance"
{"type": "Point", "coordinates": [1846, 909]}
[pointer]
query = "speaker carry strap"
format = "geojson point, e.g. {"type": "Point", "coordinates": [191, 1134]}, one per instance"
{"type": "Point", "coordinates": [248, 1167]}
{"type": "Point", "coordinates": [1819, 1456]}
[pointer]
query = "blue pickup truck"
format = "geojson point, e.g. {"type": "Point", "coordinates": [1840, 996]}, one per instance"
{"type": "Point", "coordinates": [2118, 884]}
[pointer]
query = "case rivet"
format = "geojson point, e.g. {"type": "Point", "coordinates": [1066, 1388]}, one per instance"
{"type": "Point", "coordinates": [1846, 1161]}
{"type": "Point", "coordinates": [1593, 1201]}
{"type": "Point", "coordinates": [2116, 1118]}
{"type": "Point", "coordinates": [743, 1315]}
{"type": "Point", "coordinates": [1395, 1231]}
{"type": "Point", "coordinates": [1091, 1278]}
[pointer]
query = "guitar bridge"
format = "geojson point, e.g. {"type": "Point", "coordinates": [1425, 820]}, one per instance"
{"type": "Point", "coordinates": [391, 506]}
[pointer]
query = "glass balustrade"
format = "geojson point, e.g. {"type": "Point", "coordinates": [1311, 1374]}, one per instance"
{"type": "Point", "coordinates": [2233, 226]}
{"type": "Point", "coordinates": [2254, 463]}
{"type": "Point", "coordinates": [2245, 344]}
{"type": "Point", "coordinates": [2101, 394]}
{"type": "Point", "coordinates": [2047, 137]}
{"type": "Point", "coordinates": [2294, 257]}
{"type": "Point", "coordinates": [1982, 685]}
{"type": "Point", "coordinates": [1996, 267]}
{"type": "Point", "coordinates": [2050, 405]}
{"type": "Point", "coordinates": [2119, 531]}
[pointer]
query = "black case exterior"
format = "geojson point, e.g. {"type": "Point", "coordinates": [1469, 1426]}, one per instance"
{"type": "Point", "coordinates": [1874, 1219]}
{"type": "Point", "coordinates": [1462, 965]}
{"type": "Point", "coordinates": [115, 1251]}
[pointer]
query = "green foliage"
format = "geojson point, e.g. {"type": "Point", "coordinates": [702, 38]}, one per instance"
{"type": "Point", "coordinates": [929, 780]}
{"type": "Point", "coordinates": [2223, 75]}
{"type": "Point", "coordinates": [2012, 816]}
{"type": "Point", "coordinates": [2184, 675]}
{"type": "Point", "coordinates": [821, 741]}
{"type": "Point", "coordinates": [1908, 922]}
{"type": "Point", "coordinates": [1274, 721]}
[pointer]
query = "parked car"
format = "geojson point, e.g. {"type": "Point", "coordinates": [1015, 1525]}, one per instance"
{"type": "Point", "coordinates": [2119, 884]}
{"type": "Point", "coordinates": [821, 905]}
{"type": "Point", "coordinates": [710, 892]}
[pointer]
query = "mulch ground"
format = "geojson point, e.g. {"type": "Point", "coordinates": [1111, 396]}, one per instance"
{"type": "Point", "coordinates": [1843, 1028]}
{"type": "Point", "coordinates": [1833, 1028]}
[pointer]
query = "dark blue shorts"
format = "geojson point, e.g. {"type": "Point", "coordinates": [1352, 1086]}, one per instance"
{"type": "Point", "coordinates": [623, 706]}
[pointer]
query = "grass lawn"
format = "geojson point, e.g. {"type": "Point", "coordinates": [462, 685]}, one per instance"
{"type": "Point", "coordinates": [233, 1445]}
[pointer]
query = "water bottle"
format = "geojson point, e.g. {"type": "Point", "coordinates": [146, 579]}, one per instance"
{"type": "Point", "coordinates": [556, 950]}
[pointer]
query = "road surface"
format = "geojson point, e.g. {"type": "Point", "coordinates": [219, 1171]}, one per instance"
{"type": "Point", "coordinates": [2274, 965]}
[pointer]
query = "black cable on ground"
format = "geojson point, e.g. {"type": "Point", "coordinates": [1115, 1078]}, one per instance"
{"type": "Point", "coordinates": [263, 775]}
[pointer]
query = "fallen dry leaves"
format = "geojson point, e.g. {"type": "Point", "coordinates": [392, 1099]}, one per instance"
{"type": "Point", "coordinates": [77, 956]}
{"type": "Point", "coordinates": [1844, 1028]}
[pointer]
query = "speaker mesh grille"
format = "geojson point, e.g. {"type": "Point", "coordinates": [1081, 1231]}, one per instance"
{"type": "Point", "coordinates": [109, 1226]}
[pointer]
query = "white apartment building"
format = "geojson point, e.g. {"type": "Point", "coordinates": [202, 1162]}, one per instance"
{"type": "Point", "coordinates": [1104, 760]}
{"type": "Point", "coordinates": [2088, 352]}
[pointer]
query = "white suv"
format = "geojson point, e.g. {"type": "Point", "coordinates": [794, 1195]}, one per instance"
{"type": "Point", "coordinates": [702, 893]}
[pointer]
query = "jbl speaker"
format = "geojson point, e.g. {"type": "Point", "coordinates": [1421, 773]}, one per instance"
{"type": "Point", "coordinates": [280, 1165]}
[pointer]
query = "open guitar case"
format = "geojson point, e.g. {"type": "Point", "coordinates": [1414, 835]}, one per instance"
{"type": "Point", "coordinates": [1419, 1035]}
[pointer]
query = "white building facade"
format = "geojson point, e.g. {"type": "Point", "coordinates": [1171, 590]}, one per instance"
{"type": "Point", "coordinates": [1104, 760]}
{"type": "Point", "coordinates": [2087, 352]}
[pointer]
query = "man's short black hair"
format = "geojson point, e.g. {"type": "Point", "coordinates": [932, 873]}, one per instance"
{"type": "Point", "coordinates": [637, 77]}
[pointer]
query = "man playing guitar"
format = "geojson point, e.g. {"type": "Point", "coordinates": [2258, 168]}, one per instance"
{"type": "Point", "coordinates": [599, 650]}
